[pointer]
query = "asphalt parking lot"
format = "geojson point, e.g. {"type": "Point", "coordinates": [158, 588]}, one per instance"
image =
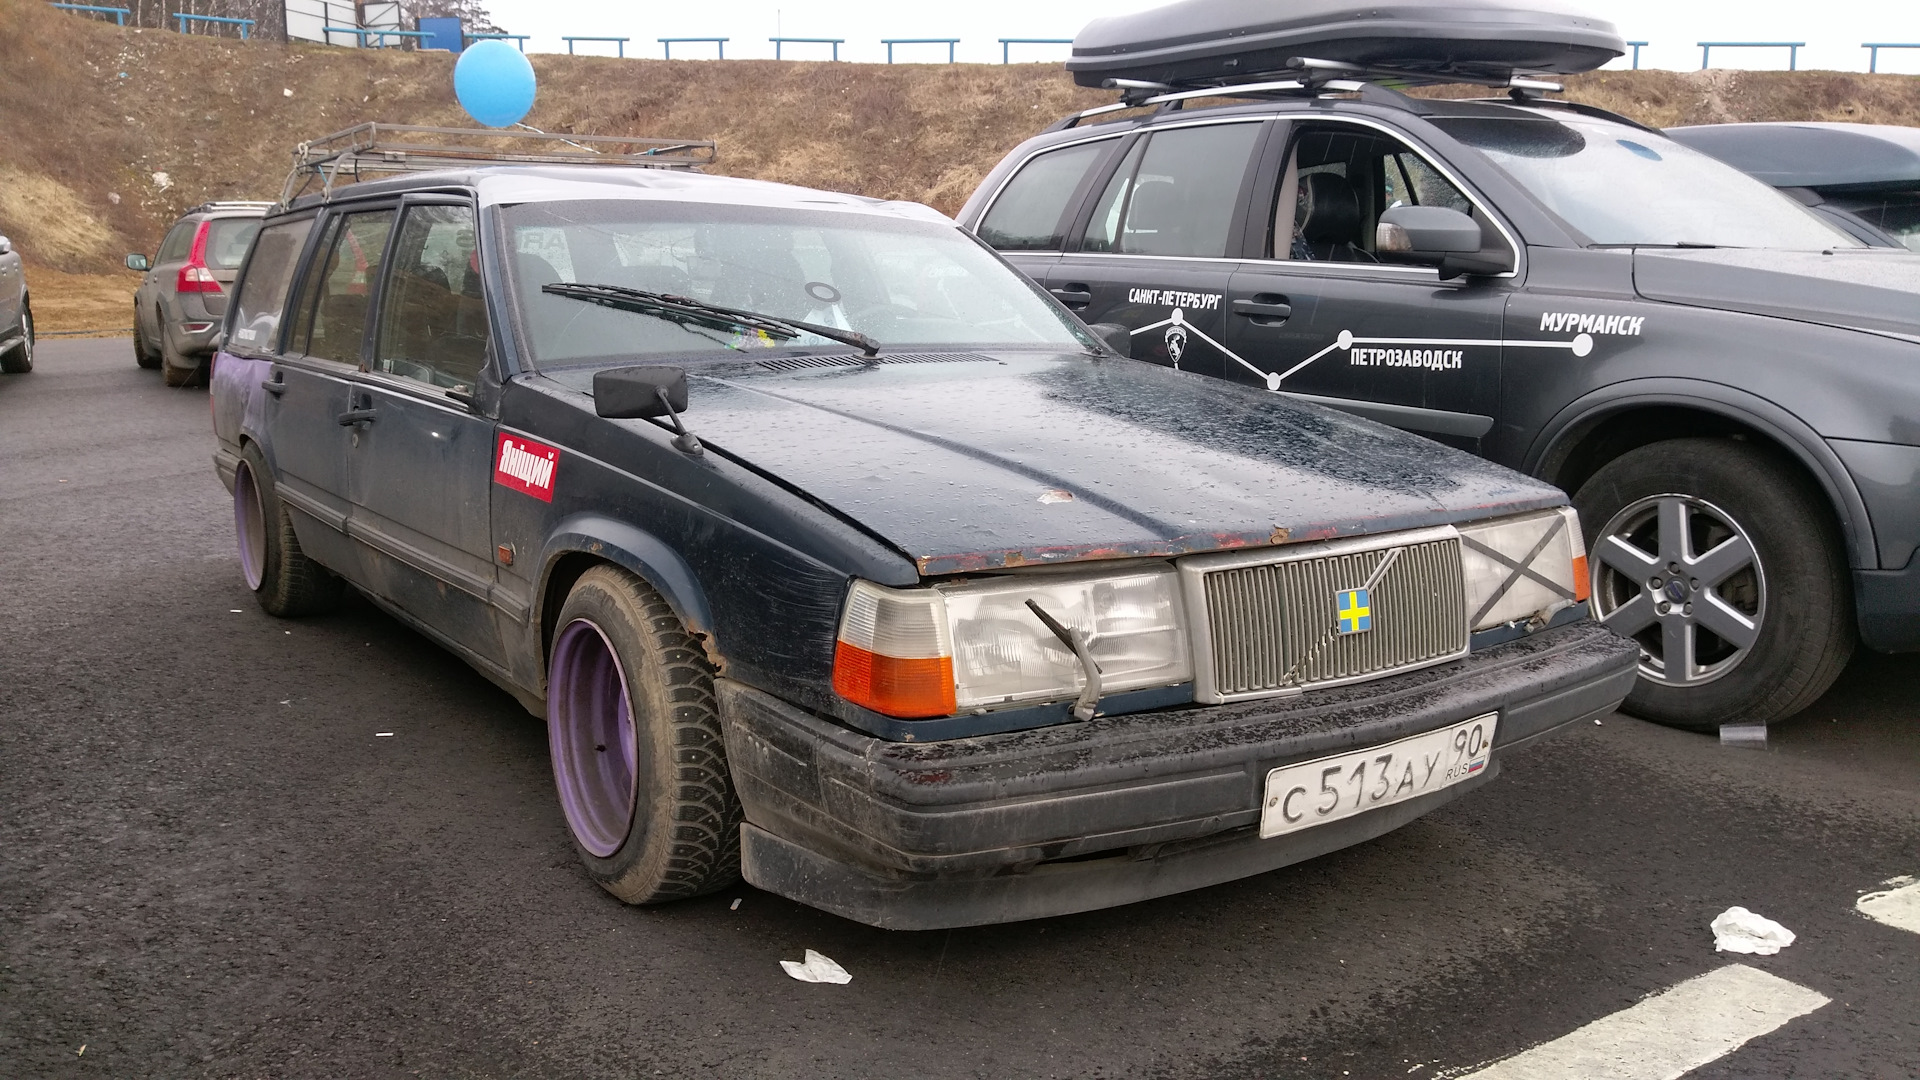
{"type": "Point", "coordinates": [213, 861]}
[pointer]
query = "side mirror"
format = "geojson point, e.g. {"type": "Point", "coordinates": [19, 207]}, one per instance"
{"type": "Point", "coordinates": [6, 245]}
{"type": "Point", "coordinates": [1438, 236]}
{"type": "Point", "coordinates": [139, 262]}
{"type": "Point", "coordinates": [1114, 336]}
{"type": "Point", "coordinates": [640, 392]}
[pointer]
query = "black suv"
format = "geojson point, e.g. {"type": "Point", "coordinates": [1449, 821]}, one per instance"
{"type": "Point", "coordinates": [1726, 381]}
{"type": "Point", "coordinates": [835, 552]}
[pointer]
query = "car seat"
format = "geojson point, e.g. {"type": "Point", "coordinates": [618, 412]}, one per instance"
{"type": "Point", "coordinates": [1329, 219]}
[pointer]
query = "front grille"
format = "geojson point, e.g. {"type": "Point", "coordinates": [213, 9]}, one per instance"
{"type": "Point", "coordinates": [1274, 625]}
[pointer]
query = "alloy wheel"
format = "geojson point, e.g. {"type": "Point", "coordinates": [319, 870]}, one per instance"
{"type": "Point", "coordinates": [1681, 577]}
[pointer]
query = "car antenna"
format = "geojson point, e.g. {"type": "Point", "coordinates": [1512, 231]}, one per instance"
{"type": "Point", "coordinates": [1089, 699]}
{"type": "Point", "coordinates": [683, 440]}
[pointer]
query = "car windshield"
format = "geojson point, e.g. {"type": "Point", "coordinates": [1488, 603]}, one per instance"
{"type": "Point", "coordinates": [918, 284]}
{"type": "Point", "coordinates": [1895, 213]}
{"type": "Point", "coordinates": [1619, 185]}
{"type": "Point", "coordinates": [228, 239]}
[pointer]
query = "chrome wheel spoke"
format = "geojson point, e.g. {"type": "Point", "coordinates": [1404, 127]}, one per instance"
{"type": "Point", "coordinates": [1676, 650]}
{"type": "Point", "coordinates": [1631, 617]}
{"type": "Point", "coordinates": [1725, 620]}
{"type": "Point", "coordinates": [1675, 542]}
{"type": "Point", "coordinates": [1729, 557]}
{"type": "Point", "coordinates": [1618, 554]}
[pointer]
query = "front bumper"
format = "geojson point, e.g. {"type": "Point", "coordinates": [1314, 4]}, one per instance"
{"type": "Point", "coordinates": [1076, 817]}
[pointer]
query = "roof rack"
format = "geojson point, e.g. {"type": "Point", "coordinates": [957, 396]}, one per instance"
{"type": "Point", "coordinates": [1312, 78]}
{"type": "Point", "coordinates": [218, 206]}
{"type": "Point", "coordinates": [397, 148]}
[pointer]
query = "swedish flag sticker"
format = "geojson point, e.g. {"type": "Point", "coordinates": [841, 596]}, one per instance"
{"type": "Point", "coordinates": [1355, 609]}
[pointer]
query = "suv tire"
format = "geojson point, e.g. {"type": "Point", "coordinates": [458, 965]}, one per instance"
{"type": "Point", "coordinates": [19, 359]}
{"type": "Point", "coordinates": [175, 369]}
{"type": "Point", "coordinates": [143, 353]}
{"type": "Point", "coordinates": [284, 580]}
{"type": "Point", "coordinates": [639, 762]}
{"type": "Point", "coordinates": [1760, 558]}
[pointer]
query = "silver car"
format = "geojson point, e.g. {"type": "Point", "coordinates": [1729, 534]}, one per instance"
{"type": "Point", "coordinates": [183, 299]}
{"type": "Point", "coordinates": [16, 314]}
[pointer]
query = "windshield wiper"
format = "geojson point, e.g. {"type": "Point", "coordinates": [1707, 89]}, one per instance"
{"type": "Point", "coordinates": [685, 309]}
{"type": "Point", "coordinates": [1690, 244]}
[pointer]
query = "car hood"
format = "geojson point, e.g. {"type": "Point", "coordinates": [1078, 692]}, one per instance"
{"type": "Point", "coordinates": [1860, 288]}
{"type": "Point", "coordinates": [975, 462]}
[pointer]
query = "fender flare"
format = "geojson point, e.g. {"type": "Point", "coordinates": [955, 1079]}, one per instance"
{"type": "Point", "coordinates": [1783, 427]}
{"type": "Point", "coordinates": [636, 550]}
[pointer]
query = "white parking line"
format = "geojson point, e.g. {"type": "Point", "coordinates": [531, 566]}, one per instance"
{"type": "Point", "coordinates": [1896, 907]}
{"type": "Point", "coordinates": [1668, 1034]}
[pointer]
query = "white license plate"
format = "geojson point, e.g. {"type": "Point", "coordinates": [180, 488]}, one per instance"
{"type": "Point", "coordinates": [1316, 792]}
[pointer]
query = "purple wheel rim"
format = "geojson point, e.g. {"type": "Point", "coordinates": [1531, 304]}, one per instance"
{"type": "Point", "coordinates": [249, 526]}
{"type": "Point", "coordinates": [590, 733]}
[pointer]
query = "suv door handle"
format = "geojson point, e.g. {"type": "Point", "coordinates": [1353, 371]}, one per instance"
{"type": "Point", "coordinates": [276, 385]}
{"type": "Point", "coordinates": [1264, 309]}
{"type": "Point", "coordinates": [1074, 295]}
{"type": "Point", "coordinates": [357, 416]}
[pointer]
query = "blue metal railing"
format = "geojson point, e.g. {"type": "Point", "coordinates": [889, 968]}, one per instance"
{"type": "Point", "coordinates": [833, 41]}
{"type": "Point", "coordinates": [521, 38]}
{"type": "Point", "coordinates": [620, 43]}
{"type": "Point", "coordinates": [948, 42]}
{"type": "Point", "coordinates": [718, 42]}
{"type": "Point", "coordinates": [1637, 46]}
{"type": "Point", "coordinates": [1873, 50]}
{"type": "Point", "coordinates": [1007, 42]}
{"type": "Point", "coordinates": [245, 25]}
{"type": "Point", "coordinates": [379, 34]}
{"type": "Point", "coordinates": [1793, 50]}
{"type": "Point", "coordinates": [119, 13]}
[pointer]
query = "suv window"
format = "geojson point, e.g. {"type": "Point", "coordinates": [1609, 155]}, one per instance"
{"type": "Point", "coordinates": [263, 291]}
{"type": "Point", "coordinates": [227, 240]}
{"type": "Point", "coordinates": [178, 243]}
{"type": "Point", "coordinates": [1339, 178]}
{"type": "Point", "coordinates": [1026, 214]}
{"type": "Point", "coordinates": [1176, 192]}
{"type": "Point", "coordinates": [333, 303]}
{"type": "Point", "coordinates": [433, 319]}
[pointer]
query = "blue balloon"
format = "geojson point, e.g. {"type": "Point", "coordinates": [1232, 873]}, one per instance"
{"type": "Point", "coordinates": [494, 83]}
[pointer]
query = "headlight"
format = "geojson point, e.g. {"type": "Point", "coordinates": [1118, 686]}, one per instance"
{"type": "Point", "coordinates": [1520, 567]}
{"type": "Point", "coordinates": [987, 649]}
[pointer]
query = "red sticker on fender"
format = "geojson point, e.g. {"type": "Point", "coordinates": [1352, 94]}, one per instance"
{"type": "Point", "coordinates": [526, 466]}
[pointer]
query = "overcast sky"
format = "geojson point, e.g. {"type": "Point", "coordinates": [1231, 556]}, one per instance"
{"type": "Point", "coordinates": [1833, 30]}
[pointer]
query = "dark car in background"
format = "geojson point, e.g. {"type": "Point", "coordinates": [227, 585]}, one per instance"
{"type": "Point", "coordinates": [834, 552]}
{"type": "Point", "coordinates": [1863, 177]}
{"type": "Point", "coordinates": [182, 300]}
{"type": "Point", "coordinates": [16, 313]}
{"type": "Point", "coordinates": [1726, 381]}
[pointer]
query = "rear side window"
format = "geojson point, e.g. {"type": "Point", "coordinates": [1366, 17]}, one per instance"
{"type": "Point", "coordinates": [262, 293]}
{"type": "Point", "coordinates": [1026, 215]}
{"type": "Point", "coordinates": [1176, 196]}
{"type": "Point", "coordinates": [337, 293]}
{"type": "Point", "coordinates": [227, 240]}
{"type": "Point", "coordinates": [179, 241]}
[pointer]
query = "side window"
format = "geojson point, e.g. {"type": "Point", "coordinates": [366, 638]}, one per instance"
{"type": "Point", "coordinates": [1026, 214]}
{"type": "Point", "coordinates": [262, 292]}
{"type": "Point", "coordinates": [1339, 179]}
{"type": "Point", "coordinates": [433, 320]}
{"type": "Point", "coordinates": [334, 300]}
{"type": "Point", "coordinates": [178, 244]}
{"type": "Point", "coordinates": [1176, 196]}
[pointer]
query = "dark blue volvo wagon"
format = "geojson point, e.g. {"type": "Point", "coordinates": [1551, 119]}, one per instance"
{"type": "Point", "coordinates": [837, 554]}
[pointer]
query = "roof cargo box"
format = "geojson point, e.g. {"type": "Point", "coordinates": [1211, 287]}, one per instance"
{"type": "Point", "coordinates": [1213, 42]}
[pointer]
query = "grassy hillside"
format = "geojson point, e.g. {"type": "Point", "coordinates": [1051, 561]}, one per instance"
{"type": "Point", "coordinates": [107, 133]}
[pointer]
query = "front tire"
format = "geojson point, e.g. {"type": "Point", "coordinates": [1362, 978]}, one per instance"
{"type": "Point", "coordinates": [19, 359]}
{"type": "Point", "coordinates": [283, 579]}
{"type": "Point", "coordinates": [1724, 563]}
{"type": "Point", "coordinates": [638, 758]}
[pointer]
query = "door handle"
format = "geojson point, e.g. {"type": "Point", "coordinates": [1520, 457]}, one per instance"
{"type": "Point", "coordinates": [357, 416]}
{"type": "Point", "coordinates": [1264, 309]}
{"type": "Point", "coordinates": [276, 385]}
{"type": "Point", "coordinates": [1074, 295]}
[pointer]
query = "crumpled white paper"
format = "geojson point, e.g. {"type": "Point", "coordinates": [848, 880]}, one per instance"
{"type": "Point", "coordinates": [1741, 931]}
{"type": "Point", "coordinates": [819, 969]}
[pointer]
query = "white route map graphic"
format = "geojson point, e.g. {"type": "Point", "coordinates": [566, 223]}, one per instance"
{"type": "Point", "coordinates": [1177, 326]}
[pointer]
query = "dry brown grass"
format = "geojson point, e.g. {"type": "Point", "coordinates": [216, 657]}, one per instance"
{"type": "Point", "coordinates": [71, 303]}
{"type": "Point", "coordinates": [90, 112]}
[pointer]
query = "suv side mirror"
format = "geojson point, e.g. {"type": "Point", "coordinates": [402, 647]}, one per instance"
{"type": "Point", "coordinates": [1438, 236]}
{"type": "Point", "coordinates": [1114, 336]}
{"type": "Point", "coordinates": [139, 262]}
{"type": "Point", "coordinates": [640, 392]}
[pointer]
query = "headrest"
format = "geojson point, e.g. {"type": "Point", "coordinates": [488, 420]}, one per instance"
{"type": "Point", "coordinates": [1329, 209]}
